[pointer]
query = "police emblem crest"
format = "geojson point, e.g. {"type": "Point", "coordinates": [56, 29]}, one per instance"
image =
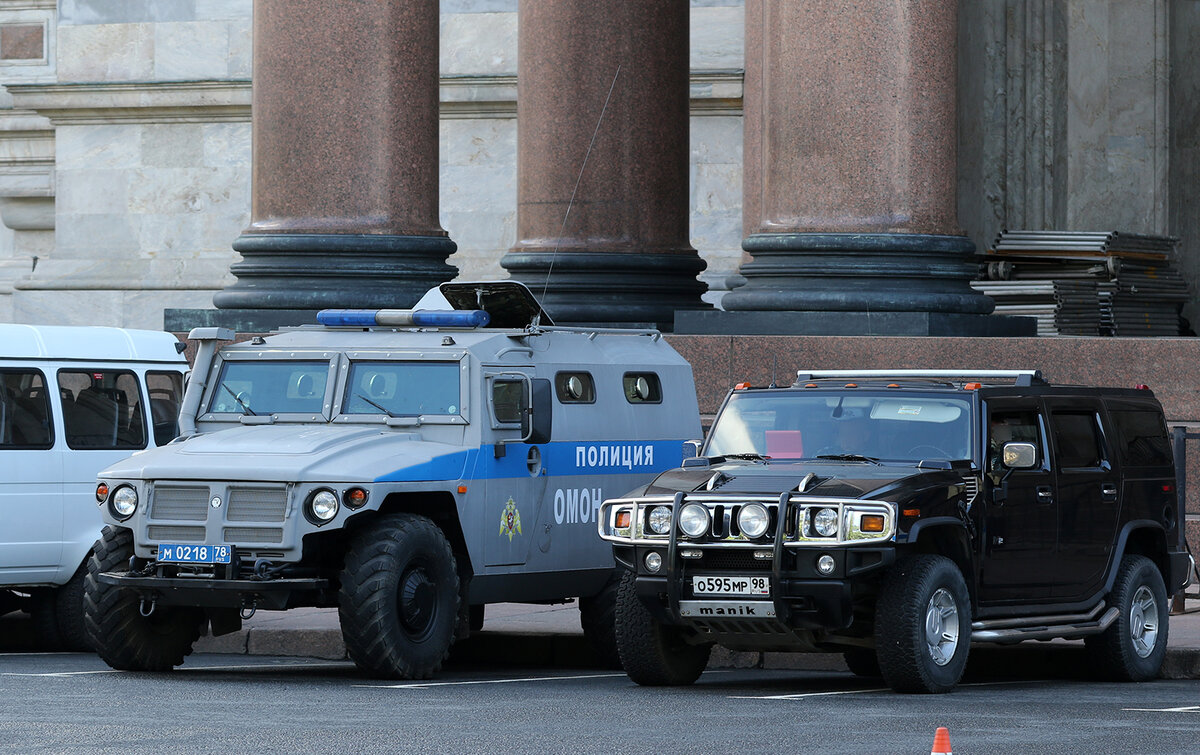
{"type": "Point", "coordinates": [510, 520]}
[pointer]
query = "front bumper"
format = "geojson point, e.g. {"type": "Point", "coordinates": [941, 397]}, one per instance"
{"type": "Point", "coordinates": [270, 594]}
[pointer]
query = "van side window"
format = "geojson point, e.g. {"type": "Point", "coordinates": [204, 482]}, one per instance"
{"type": "Point", "coordinates": [24, 410]}
{"type": "Point", "coordinates": [166, 392]}
{"type": "Point", "coordinates": [102, 409]}
{"type": "Point", "coordinates": [642, 388]}
{"type": "Point", "coordinates": [1143, 438]}
{"type": "Point", "coordinates": [575, 387]}
{"type": "Point", "coordinates": [1077, 439]}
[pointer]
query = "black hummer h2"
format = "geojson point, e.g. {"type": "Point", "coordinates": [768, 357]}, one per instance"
{"type": "Point", "coordinates": [897, 517]}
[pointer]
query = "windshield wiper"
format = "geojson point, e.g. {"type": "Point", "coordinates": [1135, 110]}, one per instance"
{"type": "Point", "coordinates": [849, 457]}
{"type": "Point", "coordinates": [245, 407]}
{"type": "Point", "coordinates": [383, 409]}
{"type": "Point", "coordinates": [750, 457]}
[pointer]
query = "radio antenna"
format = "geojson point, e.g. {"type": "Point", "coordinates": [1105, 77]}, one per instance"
{"type": "Point", "coordinates": [578, 179]}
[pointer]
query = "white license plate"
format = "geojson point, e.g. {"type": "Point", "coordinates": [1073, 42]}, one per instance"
{"type": "Point", "coordinates": [726, 609]}
{"type": "Point", "coordinates": [702, 586]}
{"type": "Point", "coordinates": [194, 554]}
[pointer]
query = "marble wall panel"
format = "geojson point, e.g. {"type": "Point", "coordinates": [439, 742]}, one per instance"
{"type": "Point", "coordinates": [223, 9]}
{"type": "Point", "coordinates": [91, 192]}
{"type": "Point", "coordinates": [478, 43]}
{"type": "Point", "coordinates": [192, 51]}
{"type": "Point", "coordinates": [97, 147]}
{"type": "Point", "coordinates": [106, 52]}
{"type": "Point", "coordinates": [717, 39]}
{"type": "Point", "coordinates": [84, 12]}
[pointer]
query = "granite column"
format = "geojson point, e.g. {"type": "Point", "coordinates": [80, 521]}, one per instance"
{"type": "Point", "coordinates": [345, 165]}
{"type": "Point", "coordinates": [602, 185]}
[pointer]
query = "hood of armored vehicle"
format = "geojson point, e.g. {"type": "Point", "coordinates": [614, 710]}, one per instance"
{"type": "Point", "coordinates": [297, 453]}
{"type": "Point", "coordinates": [834, 479]}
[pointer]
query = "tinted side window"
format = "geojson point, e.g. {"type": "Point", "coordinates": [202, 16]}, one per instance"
{"type": "Point", "coordinates": [102, 409]}
{"type": "Point", "coordinates": [575, 388]}
{"type": "Point", "coordinates": [1012, 427]}
{"type": "Point", "coordinates": [508, 401]}
{"type": "Point", "coordinates": [1143, 438]}
{"type": "Point", "coordinates": [1077, 439]}
{"type": "Point", "coordinates": [166, 392]}
{"type": "Point", "coordinates": [24, 410]}
{"type": "Point", "coordinates": [642, 388]}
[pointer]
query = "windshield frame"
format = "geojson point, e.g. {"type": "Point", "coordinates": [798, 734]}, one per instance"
{"type": "Point", "coordinates": [970, 398]}
{"type": "Point", "coordinates": [217, 371]}
{"type": "Point", "coordinates": [349, 359]}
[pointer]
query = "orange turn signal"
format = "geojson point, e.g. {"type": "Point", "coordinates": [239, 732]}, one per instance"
{"type": "Point", "coordinates": [354, 498]}
{"type": "Point", "coordinates": [623, 519]}
{"type": "Point", "coordinates": [462, 488]}
{"type": "Point", "coordinates": [102, 492]}
{"type": "Point", "coordinates": [911, 512]}
{"type": "Point", "coordinates": [871, 523]}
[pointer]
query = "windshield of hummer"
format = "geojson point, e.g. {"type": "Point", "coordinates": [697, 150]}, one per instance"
{"type": "Point", "coordinates": [810, 425]}
{"type": "Point", "coordinates": [402, 389]}
{"type": "Point", "coordinates": [270, 387]}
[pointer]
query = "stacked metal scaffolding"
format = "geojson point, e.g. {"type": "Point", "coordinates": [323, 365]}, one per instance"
{"type": "Point", "coordinates": [1087, 283]}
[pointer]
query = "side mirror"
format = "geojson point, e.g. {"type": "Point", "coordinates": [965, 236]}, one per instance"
{"type": "Point", "coordinates": [537, 423]}
{"type": "Point", "coordinates": [1019, 455]}
{"type": "Point", "coordinates": [691, 448]}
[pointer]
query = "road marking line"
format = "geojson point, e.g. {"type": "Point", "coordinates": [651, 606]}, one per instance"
{"type": "Point", "coordinates": [422, 685]}
{"type": "Point", "coordinates": [183, 669]}
{"type": "Point", "coordinates": [1186, 709]}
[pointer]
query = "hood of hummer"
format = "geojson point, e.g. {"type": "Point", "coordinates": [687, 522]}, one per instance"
{"type": "Point", "coordinates": [297, 453]}
{"type": "Point", "coordinates": [834, 479]}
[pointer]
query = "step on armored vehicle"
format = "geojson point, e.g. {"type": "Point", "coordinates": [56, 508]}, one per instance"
{"type": "Point", "coordinates": [73, 400]}
{"type": "Point", "coordinates": [897, 517]}
{"type": "Point", "coordinates": [407, 467]}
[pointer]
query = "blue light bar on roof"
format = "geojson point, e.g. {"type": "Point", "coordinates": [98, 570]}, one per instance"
{"type": "Point", "coordinates": [432, 318]}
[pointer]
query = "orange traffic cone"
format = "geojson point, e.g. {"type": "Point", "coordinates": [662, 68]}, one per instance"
{"type": "Point", "coordinates": [941, 742]}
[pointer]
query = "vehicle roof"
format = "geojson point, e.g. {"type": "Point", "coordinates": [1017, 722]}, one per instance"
{"type": "Point", "coordinates": [985, 390]}
{"type": "Point", "coordinates": [93, 343]}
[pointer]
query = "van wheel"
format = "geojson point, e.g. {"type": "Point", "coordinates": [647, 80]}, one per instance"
{"type": "Point", "coordinates": [598, 617]}
{"type": "Point", "coordinates": [923, 625]}
{"type": "Point", "coordinates": [118, 632]}
{"type": "Point", "coordinates": [862, 662]}
{"type": "Point", "coordinates": [1133, 647]}
{"type": "Point", "coordinates": [68, 609]}
{"type": "Point", "coordinates": [398, 604]}
{"type": "Point", "coordinates": [654, 654]}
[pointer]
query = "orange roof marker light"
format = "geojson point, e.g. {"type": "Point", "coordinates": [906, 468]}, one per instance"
{"type": "Point", "coordinates": [741, 386]}
{"type": "Point", "coordinates": [972, 386]}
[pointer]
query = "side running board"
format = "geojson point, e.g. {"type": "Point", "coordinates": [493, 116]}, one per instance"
{"type": "Point", "coordinates": [1068, 626]}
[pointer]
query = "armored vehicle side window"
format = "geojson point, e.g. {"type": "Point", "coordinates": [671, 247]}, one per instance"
{"type": "Point", "coordinates": [1143, 438]}
{"type": "Point", "coordinates": [402, 389]}
{"type": "Point", "coordinates": [274, 387]}
{"type": "Point", "coordinates": [102, 409]}
{"type": "Point", "coordinates": [575, 388]}
{"type": "Point", "coordinates": [642, 388]}
{"type": "Point", "coordinates": [1077, 439]}
{"type": "Point", "coordinates": [508, 401]}
{"type": "Point", "coordinates": [24, 410]}
{"type": "Point", "coordinates": [1012, 427]}
{"type": "Point", "coordinates": [166, 391]}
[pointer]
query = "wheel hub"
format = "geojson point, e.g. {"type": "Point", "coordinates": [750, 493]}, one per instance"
{"type": "Point", "coordinates": [417, 601]}
{"type": "Point", "coordinates": [941, 627]}
{"type": "Point", "coordinates": [1143, 621]}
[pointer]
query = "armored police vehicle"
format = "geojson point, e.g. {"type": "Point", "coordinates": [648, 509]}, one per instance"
{"type": "Point", "coordinates": [73, 400]}
{"type": "Point", "coordinates": [406, 467]}
{"type": "Point", "coordinates": [899, 516]}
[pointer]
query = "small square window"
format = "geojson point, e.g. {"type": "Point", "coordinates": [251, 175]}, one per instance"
{"type": "Point", "coordinates": [642, 388]}
{"type": "Point", "coordinates": [575, 388]}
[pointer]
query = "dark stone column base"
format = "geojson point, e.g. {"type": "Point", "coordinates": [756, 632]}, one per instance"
{"type": "Point", "coordinates": [316, 271]}
{"type": "Point", "coordinates": [852, 324]}
{"type": "Point", "coordinates": [622, 289]}
{"type": "Point", "coordinates": [859, 272]}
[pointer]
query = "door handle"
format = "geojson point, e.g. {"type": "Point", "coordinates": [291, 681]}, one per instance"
{"type": "Point", "coordinates": [1045, 494]}
{"type": "Point", "coordinates": [1108, 492]}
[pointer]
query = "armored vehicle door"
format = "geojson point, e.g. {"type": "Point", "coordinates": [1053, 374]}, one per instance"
{"type": "Point", "coordinates": [514, 472]}
{"type": "Point", "coordinates": [1088, 495]}
{"type": "Point", "coordinates": [1022, 518]}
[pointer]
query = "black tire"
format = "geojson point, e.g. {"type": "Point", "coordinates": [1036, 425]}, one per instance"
{"type": "Point", "coordinates": [598, 617]}
{"type": "Point", "coordinates": [399, 599]}
{"type": "Point", "coordinates": [923, 625]}
{"type": "Point", "coordinates": [68, 609]}
{"type": "Point", "coordinates": [116, 628]}
{"type": "Point", "coordinates": [1133, 647]}
{"type": "Point", "coordinates": [43, 611]}
{"type": "Point", "coordinates": [654, 654]}
{"type": "Point", "coordinates": [862, 662]}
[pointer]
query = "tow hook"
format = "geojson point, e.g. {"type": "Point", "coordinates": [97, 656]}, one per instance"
{"type": "Point", "coordinates": [145, 610]}
{"type": "Point", "coordinates": [248, 610]}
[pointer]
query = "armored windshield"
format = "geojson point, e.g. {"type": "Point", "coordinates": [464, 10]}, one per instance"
{"type": "Point", "coordinates": [400, 389]}
{"type": "Point", "coordinates": [270, 387]}
{"type": "Point", "coordinates": [885, 426]}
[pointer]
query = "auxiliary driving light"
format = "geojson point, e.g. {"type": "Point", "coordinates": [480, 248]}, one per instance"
{"type": "Point", "coordinates": [693, 520]}
{"type": "Point", "coordinates": [660, 520]}
{"type": "Point", "coordinates": [825, 564]}
{"type": "Point", "coordinates": [753, 519]}
{"type": "Point", "coordinates": [124, 502]}
{"type": "Point", "coordinates": [653, 561]}
{"type": "Point", "coordinates": [322, 506]}
{"type": "Point", "coordinates": [102, 492]}
{"type": "Point", "coordinates": [826, 522]}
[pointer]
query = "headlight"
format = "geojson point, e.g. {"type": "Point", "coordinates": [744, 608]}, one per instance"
{"type": "Point", "coordinates": [660, 520]}
{"type": "Point", "coordinates": [124, 502]}
{"type": "Point", "coordinates": [693, 520]}
{"type": "Point", "coordinates": [826, 522]}
{"type": "Point", "coordinates": [322, 506]}
{"type": "Point", "coordinates": [753, 520]}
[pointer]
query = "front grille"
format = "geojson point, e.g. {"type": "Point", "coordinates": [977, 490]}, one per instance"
{"type": "Point", "coordinates": [257, 504]}
{"type": "Point", "coordinates": [189, 504]}
{"type": "Point", "coordinates": [166, 533]}
{"type": "Point", "coordinates": [253, 535]}
{"type": "Point", "coordinates": [731, 560]}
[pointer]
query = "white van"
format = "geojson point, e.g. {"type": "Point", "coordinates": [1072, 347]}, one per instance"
{"type": "Point", "coordinates": [73, 400]}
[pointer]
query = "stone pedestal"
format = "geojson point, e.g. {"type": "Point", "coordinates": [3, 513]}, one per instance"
{"type": "Point", "coordinates": [345, 174]}
{"type": "Point", "coordinates": [602, 195]}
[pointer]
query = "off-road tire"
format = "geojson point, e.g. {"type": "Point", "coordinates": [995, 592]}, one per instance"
{"type": "Point", "coordinates": [911, 592]}
{"type": "Point", "coordinates": [68, 610]}
{"type": "Point", "coordinates": [654, 654]}
{"type": "Point", "coordinates": [862, 662]}
{"type": "Point", "coordinates": [398, 603]}
{"type": "Point", "coordinates": [1137, 591]}
{"type": "Point", "coordinates": [598, 617]}
{"type": "Point", "coordinates": [116, 628]}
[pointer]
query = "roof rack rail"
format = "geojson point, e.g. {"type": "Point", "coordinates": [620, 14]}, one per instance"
{"type": "Point", "coordinates": [1019, 377]}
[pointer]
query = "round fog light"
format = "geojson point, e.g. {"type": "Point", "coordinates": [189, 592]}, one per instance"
{"type": "Point", "coordinates": [653, 561]}
{"type": "Point", "coordinates": [825, 564]}
{"type": "Point", "coordinates": [124, 502]}
{"type": "Point", "coordinates": [693, 520]}
{"type": "Point", "coordinates": [752, 520]}
{"type": "Point", "coordinates": [323, 505]}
